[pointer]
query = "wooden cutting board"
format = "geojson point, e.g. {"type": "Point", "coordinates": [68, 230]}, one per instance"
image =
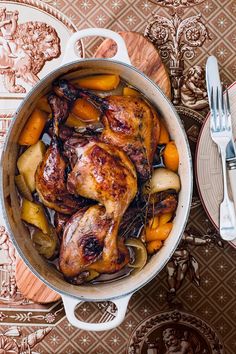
{"type": "Point", "coordinates": [143, 56]}
{"type": "Point", "coordinates": [31, 287]}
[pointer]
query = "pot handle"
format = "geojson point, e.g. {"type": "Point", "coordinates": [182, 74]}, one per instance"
{"type": "Point", "coordinates": [121, 54]}
{"type": "Point", "coordinates": [70, 304]}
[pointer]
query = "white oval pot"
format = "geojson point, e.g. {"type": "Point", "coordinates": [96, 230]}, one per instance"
{"type": "Point", "coordinates": [121, 290]}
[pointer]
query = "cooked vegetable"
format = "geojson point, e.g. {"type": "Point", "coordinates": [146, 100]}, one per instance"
{"type": "Point", "coordinates": [46, 244]}
{"type": "Point", "coordinates": [33, 128]}
{"type": "Point", "coordinates": [43, 104]}
{"type": "Point", "coordinates": [164, 218]}
{"type": "Point", "coordinates": [140, 253]}
{"type": "Point", "coordinates": [23, 187]}
{"type": "Point", "coordinates": [92, 275]}
{"type": "Point", "coordinates": [34, 214]}
{"type": "Point", "coordinates": [99, 82]}
{"type": "Point", "coordinates": [85, 110]}
{"type": "Point", "coordinates": [171, 156]}
{"type": "Point", "coordinates": [162, 179]}
{"type": "Point", "coordinates": [153, 246]}
{"type": "Point", "coordinates": [74, 122]}
{"type": "Point", "coordinates": [29, 161]}
{"type": "Point", "coordinates": [154, 222]}
{"type": "Point", "coordinates": [159, 233]}
{"type": "Point", "coordinates": [128, 91]}
{"type": "Point", "coordinates": [164, 135]}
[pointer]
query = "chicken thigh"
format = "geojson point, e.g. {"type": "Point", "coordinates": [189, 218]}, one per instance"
{"type": "Point", "coordinates": [129, 122]}
{"type": "Point", "coordinates": [104, 173]}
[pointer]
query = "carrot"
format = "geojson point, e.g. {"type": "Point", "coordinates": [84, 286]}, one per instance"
{"type": "Point", "coordinates": [43, 104]}
{"type": "Point", "coordinates": [85, 111]}
{"type": "Point", "coordinates": [154, 222]}
{"type": "Point", "coordinates": [33, 128]}
{"type": "Point", "coordinates": [164, 135]}
{"type": "Point", "coordinates": [74, 122]}
{"type": "Point", "coordinates": [153, 246]}
{"type": "Point", "coordinates": [171, 156]}
{"type": "Point", "coordinates": [160, 233]}
{"type": "Point", "coordinates": [99, 82]}
{"type": "Point", "coordinates": [165, 218]}
{"type": "Point", "coordinates": [128, 91]}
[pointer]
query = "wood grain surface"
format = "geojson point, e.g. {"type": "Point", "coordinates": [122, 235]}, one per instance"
{"type": "Point", "coordinates": [31, 287]}
{"type": "Point", "coordinates": [143, 55]}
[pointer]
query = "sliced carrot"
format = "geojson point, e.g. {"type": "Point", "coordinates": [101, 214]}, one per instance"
{"type": "Point", "coordinates": [153, 246]}
{"type": "Point", "coordinates": [153, 222]}
{"type": "Point", "coordinates": [33, 128]}
{"type": "Point", "coordinates": [99, 82]}
{"type": "Point", "coordinates": [171, 156]}
{"type": "Point", "coordinates": [165, 218]}
{"type": "Point", "coordinates": [128, 91]}
{"type": "Point", "coordinates": [160, 233]}
{"type": "Point", "coordinates": [85, 110]}
{"type": "Point", "coordinates": [74, 122]}
{"type": "Point", "coordinates": [164, 135]}
{"type": "Point", "coordinates": [43, 104]}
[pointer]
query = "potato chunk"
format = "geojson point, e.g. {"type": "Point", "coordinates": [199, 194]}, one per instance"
{"type": "Point", "coordinates": [29, 161]}
{"type": "Point", "coordinates": [46, 244]}
{"type": "Point", "coordinates": [34, 214]}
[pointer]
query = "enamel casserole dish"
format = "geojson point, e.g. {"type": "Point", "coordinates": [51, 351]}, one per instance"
{"type": "Point", "coordinates": [120, 290]}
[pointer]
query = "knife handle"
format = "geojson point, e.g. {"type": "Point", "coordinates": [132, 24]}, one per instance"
{"type": "Point", "coordinates": [232, 179]}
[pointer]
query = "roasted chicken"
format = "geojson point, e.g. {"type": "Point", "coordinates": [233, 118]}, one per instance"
{"type": "Point", "coordinates": [51, 174]}
{"type": "Point", "coordinates": [84, 240]}
{"type": "Point", "coordinates": [103, 173]}
{"type": "Point", "coordinates": [129, 122]}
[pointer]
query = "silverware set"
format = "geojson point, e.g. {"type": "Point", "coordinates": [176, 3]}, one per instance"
{"type": "Point", "coordinates": [222, 135]}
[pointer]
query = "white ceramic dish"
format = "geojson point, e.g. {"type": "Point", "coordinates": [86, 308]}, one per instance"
{"type": "Point", "coordinates": [208, 166]}
{"type": "Point", "coordinates": [121, 290]}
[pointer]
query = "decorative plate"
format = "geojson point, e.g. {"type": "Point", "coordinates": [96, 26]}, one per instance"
{"type": "Point", "coordinates": [208, 166]}
{"type": "Point", "coordinates": [33, 37]}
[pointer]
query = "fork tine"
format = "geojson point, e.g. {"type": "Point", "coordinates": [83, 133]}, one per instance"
{"type": "Point", "coordinates": [227, 100]}
{"type": "Point", "coordinates": [227, 109]}
{"type": "Point", "coordinates": [218, 121]}
{"type": "Point", "coordinates": [224, 116]}
{"type": "Point", "coordinates": [213, 116]}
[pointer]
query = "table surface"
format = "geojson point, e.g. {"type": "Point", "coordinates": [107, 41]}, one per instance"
{"type": "Point", "coordinates": [191, 306]}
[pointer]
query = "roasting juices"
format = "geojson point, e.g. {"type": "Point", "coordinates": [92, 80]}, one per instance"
{"type": "Point", "coordinates": [98, 178]}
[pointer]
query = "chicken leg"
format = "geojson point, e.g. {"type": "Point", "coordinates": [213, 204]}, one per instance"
{"type": "Point", "coordinates": [104, 173]}
{"type": "Point", "coordinates": [51, 173]}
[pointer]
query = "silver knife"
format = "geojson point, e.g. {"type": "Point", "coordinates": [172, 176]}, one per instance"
{"type": "Point", "coordinates": [213, 81]}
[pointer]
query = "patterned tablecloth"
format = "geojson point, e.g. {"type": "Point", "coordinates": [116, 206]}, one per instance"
{"type": "Point", "coordinates": [191, 306]}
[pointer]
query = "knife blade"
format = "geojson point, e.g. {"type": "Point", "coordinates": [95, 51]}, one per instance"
{"type": "Point", "coordinates": [213, 81]}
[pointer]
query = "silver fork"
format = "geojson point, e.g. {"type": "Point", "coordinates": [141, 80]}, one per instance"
{"type": "Point", "coordinates": [221, 134]}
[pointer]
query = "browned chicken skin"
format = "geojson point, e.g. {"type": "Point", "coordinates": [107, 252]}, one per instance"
{"type": "Point", "coordinates": [51, 173]}
{"type": "Point", "coordinates": [84, 241]}
{"type": "Point", "coordinates": [103, 173]}
{"type": "Point", "coordinates": [129, 122]}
